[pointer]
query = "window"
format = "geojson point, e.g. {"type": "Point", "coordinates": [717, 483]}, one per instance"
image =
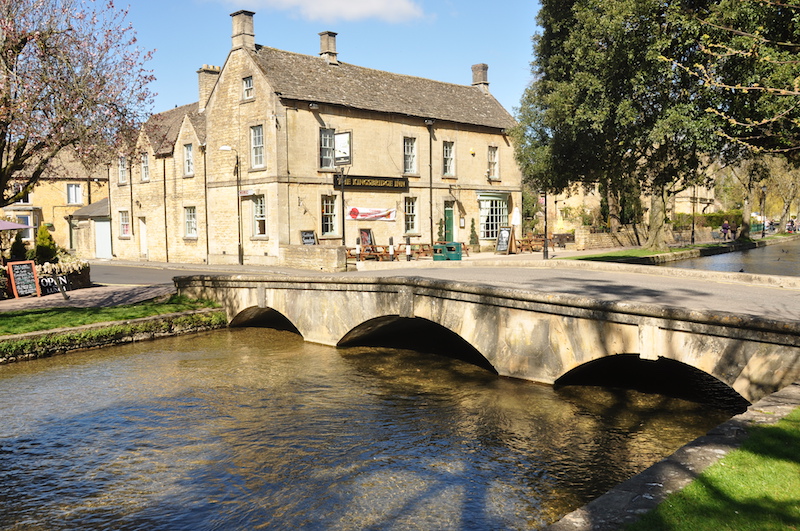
{"type": "Point", "coordinates": [328, 214]}
{"type": "Point", "coordinates": [448, 162]}
{"type": "Point", "coordinates": [190, 221]}
{"type": "Point", "coordinates": [247, 88]}
{"type": "Point", "coordinates": [257, 146]}
{"type": "Point", "coordinates": [74, 195]}
{"type": "Point", "coordinates": [124, 223]}
{"type": "Point", "coordinates": [494, 214]}
{"type": "Point", "coordinates": [259, 216]}
{"type": "Point", "coordinates": [326, 153]}
{"type": "Point", "coordinates": [24, 219]}
{"type": "Point", "coordinates": [410, 210]}
{"type": "Point", "coordinates": [409, 155]}
{"type": "Point", "coordinates": [145, 168]}
{"type": "Point", "coordinates": [188, 159]}
{"type": "Point", "coordinates": [26, 196]}
{"type": "Point", "coordinates": [491, 170]}
{"type": "Point", "coordinates": [122, 170]}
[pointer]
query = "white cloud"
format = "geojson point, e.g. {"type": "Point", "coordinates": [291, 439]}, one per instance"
{"type": "Point", "coordinates": [348, 10]}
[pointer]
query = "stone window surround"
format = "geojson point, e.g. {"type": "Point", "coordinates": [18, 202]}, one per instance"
{"type": "Point", "coordinates": [453, 173]}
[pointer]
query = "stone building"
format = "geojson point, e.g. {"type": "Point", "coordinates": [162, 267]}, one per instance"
{"type": "Point", "coordinates": [66, 186]}
{"type": "Point", "coordinates": [284, 150]}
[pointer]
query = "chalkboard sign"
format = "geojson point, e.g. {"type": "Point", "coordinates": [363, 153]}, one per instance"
{"type": "Point", "coordinates": [24, 280]}
{"type": "Point", "coordinates": [504, 236]}
{"type": "Point", "coordinates": [309, 237]}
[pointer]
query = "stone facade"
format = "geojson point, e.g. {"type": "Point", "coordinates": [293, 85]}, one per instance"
{"type": "Point", "coordinates": [241, 175]}
{"type": "Point", "coordinates": [65, 188]}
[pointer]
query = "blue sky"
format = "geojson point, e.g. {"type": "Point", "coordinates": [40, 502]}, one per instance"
{"type": "Point", "coordinates": [436, 39]}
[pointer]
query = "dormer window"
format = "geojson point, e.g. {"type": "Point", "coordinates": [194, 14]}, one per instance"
{"type": "Point", "coordinates": [247, 88]}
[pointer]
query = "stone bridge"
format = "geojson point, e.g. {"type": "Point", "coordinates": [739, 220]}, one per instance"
{"type": "Point", "coordinates": [522, 334]}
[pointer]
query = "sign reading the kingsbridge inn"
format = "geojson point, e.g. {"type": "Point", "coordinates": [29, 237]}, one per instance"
{"type": "Point", "coordinates": [374, 184]}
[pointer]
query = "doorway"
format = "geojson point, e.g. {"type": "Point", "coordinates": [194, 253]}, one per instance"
{"type": "Point", "coordinates": [143, 238]}
{"type": "Point", "coordinates": [449, 223]}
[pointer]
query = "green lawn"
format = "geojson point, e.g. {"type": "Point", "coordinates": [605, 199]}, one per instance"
{"type": "Point", "coordinates": [19, 322]}
{"type": "Point", "coordinates": [755, 488]}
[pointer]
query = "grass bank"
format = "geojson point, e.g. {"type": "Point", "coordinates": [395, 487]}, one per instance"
{"type": "Point", "coordinates": [23, 321]}
{"type": "Point", "coordinates": [755, 488]}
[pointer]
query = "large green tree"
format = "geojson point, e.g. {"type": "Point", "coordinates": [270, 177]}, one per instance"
{"type": "Point", "coordinates": [606, 108]}
{"type": "Point", "coordinates": [71, 76]}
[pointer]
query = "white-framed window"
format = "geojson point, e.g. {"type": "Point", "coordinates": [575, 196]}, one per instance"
{"type": "Point", "coordinates": [25, 219]}
{"type": "Point", "coordinates": [26, 197]}
{"type": "Point", "coordinates": [188, 159]}
{"type": "Point", "coordinates": [326, 144]}
{"type": "Point", "coordinates": [190, 221]}
{"type": "Point", "coordinates": [145, 167]}
{"type": "Point", "coordinates": [448, 158]}
{"type": "Point", "coordinates": [328, 214]}
{"type": "Point", "coordinates": [247, 88]}
{"type": "Point", "coordinates": [492, 171]}
{"type": "Point", "coordinates": [259, 216]}
{"type": "Point", "coordinates": [494, 214]}
{"type": "Point", "coordinates": [122, 170]}
{"type": "Point", "coordinates": [410, 211]}
{"type": "Point", "coordinates": [409, 155]}
{"type": "Point", "coordinates": [257, 146]}
{"type": "Point", "coordinates": [74, 195]}
{"type": "Point", "coordinates": [124, 223]}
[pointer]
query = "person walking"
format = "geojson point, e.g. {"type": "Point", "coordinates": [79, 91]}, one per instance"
{"type": "Point", "coordinates": [726, 227]}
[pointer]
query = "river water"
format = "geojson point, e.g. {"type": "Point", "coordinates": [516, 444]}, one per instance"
{"type": "Point", "coordinates": [255, 429]}
{"type": "Point", "coordinates": [779, 259]}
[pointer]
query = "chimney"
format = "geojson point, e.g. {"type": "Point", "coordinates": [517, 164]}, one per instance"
{"type": "Point", "coordinates": [243, 34]}
{"type": "Point", "coordinates": [480, 77]}
{"type": "Point", "coordinates": [206, 79]}
{"type": "Point", "coordinates": [327, 47]}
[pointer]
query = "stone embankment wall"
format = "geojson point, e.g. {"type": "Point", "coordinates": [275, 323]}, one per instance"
{"type": "Point", "coordinates": [632, 237]}
{"type": "Point", "coordinates": [47, 343]}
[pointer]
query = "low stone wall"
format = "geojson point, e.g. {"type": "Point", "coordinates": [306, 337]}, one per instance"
{"type": "Point", "coordinates": [585, 239]}
{"type": "Point", "coordinates": [326, 258]}
{"type": "Point", "coordinates": [48, 343]}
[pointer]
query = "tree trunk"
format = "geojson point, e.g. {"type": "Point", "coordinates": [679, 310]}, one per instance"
{"type": "Point", "coordinates": [744, 230]}
{"type": "Point", "coordinates": [657, 234]}
{"type": "Point", "coordinates": [614, 218]}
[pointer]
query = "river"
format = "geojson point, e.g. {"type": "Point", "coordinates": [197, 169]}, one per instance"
{"type": "Point", "coordinates": [778, 259]}
{"type": "Point", "coordinates": [254, 429]}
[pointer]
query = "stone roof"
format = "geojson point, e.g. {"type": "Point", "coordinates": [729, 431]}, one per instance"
{"type": "Point", "coordinates": [162, 129]}
{"type": "Point", "coordinates": [98, 209]}
{"type": "Point", "coordinates": [313, 79]}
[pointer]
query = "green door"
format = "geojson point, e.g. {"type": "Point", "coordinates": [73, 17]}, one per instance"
{"type": "Point", "coordinates": [448, 220]}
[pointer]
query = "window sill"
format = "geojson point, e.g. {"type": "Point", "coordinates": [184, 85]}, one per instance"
{"type": "Point", "coordinates": [190, 238]}
{"type": "Point", "coordinates": [257, 169]}
{"type": "Point", "coordinates": [259, 238]}
{"type": "Point", "coordinates": [244, 101]}
{"type": "Point", "coordinates": [327, 170]}
{"type": "Point", "coordinates": [188, 176]}
{"type": "Point", "coordinates": [330, 237]}
{"type": "Point", "coordinates": [411, 175]}
{"type": "Point", "coordinates": [124, 237]}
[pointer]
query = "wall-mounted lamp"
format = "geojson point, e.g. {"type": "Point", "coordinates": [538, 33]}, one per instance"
{"type": "Point", "coordinates": [313, 106]}
{"type": "Point", "coordinates": [428, 122]}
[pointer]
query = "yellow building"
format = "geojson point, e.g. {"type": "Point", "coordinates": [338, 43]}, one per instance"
{"type": "Point", "coordinates": [65, 187]}
{"type": "Point", "coordinates": [285, 149]}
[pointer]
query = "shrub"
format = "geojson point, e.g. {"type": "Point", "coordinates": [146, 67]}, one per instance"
{"type": "Point", "coordinates": [18, 249]}
{"type": "Point", "coordinates": [46, 248]}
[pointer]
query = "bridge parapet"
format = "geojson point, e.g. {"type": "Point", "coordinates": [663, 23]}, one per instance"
{"type": "Point", "coordinates": [524, 333]}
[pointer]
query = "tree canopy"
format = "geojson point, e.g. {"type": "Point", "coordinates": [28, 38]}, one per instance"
{"type": "Point", "coordinates": [71, 76]}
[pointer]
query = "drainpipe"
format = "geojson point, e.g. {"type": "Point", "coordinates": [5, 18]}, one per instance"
{"type": "Point", "coordinates": [205, 200]}
{"type": "Point", "coordinates": [166, 231]}
{"type": "Point", "coordinates": [110, 216]}
{"type": "Point", "coordinates": [429, 123]}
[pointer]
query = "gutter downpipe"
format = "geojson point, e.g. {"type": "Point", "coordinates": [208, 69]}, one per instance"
{"type": "Point", "coordinates": [429, 123]}
{"type": "Point", "coordinates": [166, 231]}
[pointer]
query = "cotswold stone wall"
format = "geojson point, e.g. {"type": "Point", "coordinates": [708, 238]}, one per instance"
{"type": "Point", "coordinates": [632, 237]}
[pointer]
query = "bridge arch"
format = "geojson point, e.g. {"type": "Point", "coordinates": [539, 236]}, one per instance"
{"type": "Point", "coordinates": [414, 333]}
{"type": "Point", "coordinates": [664, 376]}
{"type": "Point", "coordinates": [263, 317]}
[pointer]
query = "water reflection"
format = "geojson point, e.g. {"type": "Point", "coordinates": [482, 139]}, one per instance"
{"type": "Point", "coordinates": [254, 429]}
{"type": "Point", "coordinates": [778, 259]}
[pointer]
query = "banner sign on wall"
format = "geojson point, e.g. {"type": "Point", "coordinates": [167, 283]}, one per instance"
{"type": "Point", "coordinates": [372, 214]}
{"type": "Point", "coordinates": [375, 184]}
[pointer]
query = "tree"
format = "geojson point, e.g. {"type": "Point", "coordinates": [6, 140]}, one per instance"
{"type": "Point", "coordinates": [46, 248]}
{"type": "Point", "coordinates": [605, 108]}
{"type": "Point", "coordinates": [783, 182]}
{"type": "Point", "coordinates": [70, 76]}
{"type": "Point", "coordinates": [750, 65]}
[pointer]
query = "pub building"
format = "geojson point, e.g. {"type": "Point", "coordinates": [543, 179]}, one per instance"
{"type": "Point", "coordinates": [286, 158]}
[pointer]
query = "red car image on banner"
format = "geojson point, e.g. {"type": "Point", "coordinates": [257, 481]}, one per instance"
{"type": "Point", "coordinates": [373, 214]}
